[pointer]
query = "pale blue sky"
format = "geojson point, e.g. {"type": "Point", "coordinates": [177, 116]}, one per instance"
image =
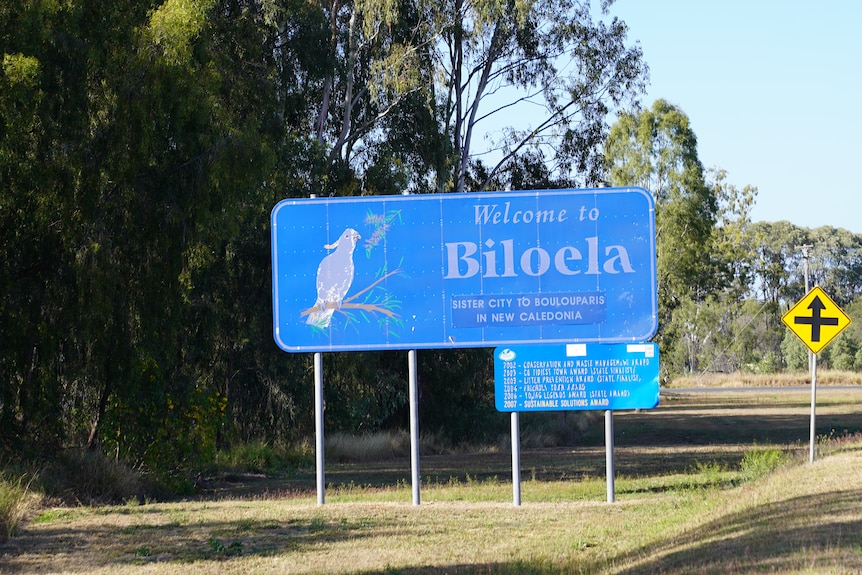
{"type": "Point", "coordinates": [773, 90]}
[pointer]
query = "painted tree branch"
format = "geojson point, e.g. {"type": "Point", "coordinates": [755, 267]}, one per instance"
{"type": "Point", "coordinates": [344, 305]}
{"type": "Point", "coordinates": [363, 306]}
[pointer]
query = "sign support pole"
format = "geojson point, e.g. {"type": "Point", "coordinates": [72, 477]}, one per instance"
{"type": "Point", "coordinates": [318, 426]}
{"type": "Point", "coordinates": [516, 460]}
{"type": "Point", "coordinates": [414, 424]}
{"type": "Point", "coordinates": [813, 361]}
{"type": "Point", "coordinates": [812, 366]}
{"type": "Point", "coordinates": [609, 453]}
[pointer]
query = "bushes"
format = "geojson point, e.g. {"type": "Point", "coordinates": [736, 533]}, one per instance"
{"type": "Point", "coordinates": [76, 476]}
{"type": "Point", "coordinates": [90, 477]}
{"type": "Point", "coordinates": [257, 456]}
{"type": "Point", "coordinates": [760, 462]}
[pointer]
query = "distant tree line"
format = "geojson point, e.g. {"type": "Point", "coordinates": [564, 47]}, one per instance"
{"type": "Point", "coordinates": [143, 145]}
{"type": "Point", "coordinates": [724, 282]}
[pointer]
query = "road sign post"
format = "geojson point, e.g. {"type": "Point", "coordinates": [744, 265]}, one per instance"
{"type": "Point", "coordinates": [816, 320]}
{"type": "Point", "coordinates": [575, 377]}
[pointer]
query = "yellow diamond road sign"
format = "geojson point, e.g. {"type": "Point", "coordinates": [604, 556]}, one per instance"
{"type": "Point", "coordinates": [816, 319]}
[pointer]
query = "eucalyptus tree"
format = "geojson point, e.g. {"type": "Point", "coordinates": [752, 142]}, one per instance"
{"type": "Point", "coordinates": [404, 89]}
{"type": "Point", "coordinates": [345, 67]}
{"type": "Point", "coordinates": [497, 58]}
{"type": "Point", "coordinates": [59, 295]}
{"type": "Point", "coordinates": [141, 141]}
{"type": "Point", "coordinates": [713, 333]}
{"type": "Point", "coordinates": [778, 265]}
{"type": "Point", "coordinates": [732, 238]}
{"type": "Point", "coordinates": [657, 150]}
{"type": "Point", "coordinates": [835, 262]}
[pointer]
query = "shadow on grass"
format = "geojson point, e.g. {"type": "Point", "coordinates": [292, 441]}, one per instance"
{"type": "Point", "coordinates": [808, 534]}
{"type": "Point", "coordinates": [655, 442]}
{"type": "Point", "coordinates": [813, 533]}
{"type": "Point", "coordinates": [674, 434]}
{"type": "Point", "coordinates": [81, 549]}
{"type": "Point", "coordinates": [777, 537]}
{"type": "Point", "coordinates": [818, 533]}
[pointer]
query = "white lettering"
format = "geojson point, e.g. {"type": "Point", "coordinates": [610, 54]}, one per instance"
{"type": "Point", "coordinates": [463, 262]}
{"type": "Point", "coordinates": [622, 256]}
{"type": "Point", "coordinates": [488, 213]}
{"type": "Point", "coordinates": [453, 260]}
{"type": "Point", "coordinates": [527, 262]}
{"type": "Point", "coordinates": [565, 254]}
{"type": "Point", "coordinates": [491, 260]}
{"type": "Point", "coordinates": [593, 268]}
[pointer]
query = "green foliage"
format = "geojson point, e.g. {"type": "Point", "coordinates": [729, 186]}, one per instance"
{"type": "Point", "coordinates": [710, 475]}
{"type": "Point", "coordinates": [758, 463]}
{"type": "Point", "coordinates": [176, 24]}
{"type": "Point", "coordinates": [794, 353]}
{"type": "Point", "coordinates": [21, 71]}
{"type": "Point", "coordinates": [148, 188]}
{"type": "Point", "coordinates": [657, 150]}
{"type": "Point", "coordinates": [769, 363]}
{"type": "Point", "coordinates": [233, 549]}
{"type": "Point", "coordinates": [143, 145]}
{"type": "Point", "coordinates": [258, 457]}
{"type": "Point", "coordinates": [842, 353]}
{"type": "Point", "coordinates": [732, 238]}
{"type": "Point", "coordinates": [723, 281]}
{"type": "Point", "coordinates": [457, 391]}
{"type": "Point", "coordinates": [371, 389]}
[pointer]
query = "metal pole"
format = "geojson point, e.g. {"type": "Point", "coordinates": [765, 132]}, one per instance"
{"type": "Point", "coordinates": [812, 367]}
{"type": "Point", "coordinates": [318, 426]}
{"type": "Point", "coordinates": [516, 460]}
{"type": "Point", "coordinates": [318, 422]}
{"type": "Point", "coordinates": [414, 424]}
{"type": "Point", "coordinates": [813, 359]}
{"type": "Point", "coordinates": [609, 453]}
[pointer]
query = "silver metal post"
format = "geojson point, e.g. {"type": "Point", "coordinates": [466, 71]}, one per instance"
{"type": "Point", "coordinates": [609, 453]}
{"type": "Point", "coordinates": [318, 422]}
{"type": "Point", "coordinates": [414, 424]}
{"type": "Point", "coordinates": [318, 427]}
{"type": "Point", "coordinates": [516, 460]}
{"type": "Point", "coordinates": [812, 438]}
{"type": "Point", "coordinates": [812, 366]}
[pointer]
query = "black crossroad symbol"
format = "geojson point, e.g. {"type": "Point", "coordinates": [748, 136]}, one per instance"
{"type": "Point", "coordinates": [815, 320]}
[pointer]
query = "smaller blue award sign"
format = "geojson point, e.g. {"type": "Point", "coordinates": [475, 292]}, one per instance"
{"type": "Point", "coordinates": [576, 377]}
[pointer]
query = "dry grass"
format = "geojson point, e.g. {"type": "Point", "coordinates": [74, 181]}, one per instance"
{"type": "Point", "coordinates": [741, 379]}
{"type": "Point", "coordinates": [799, 520]}
{"type": "Point", "coordinates": [682, 507]}
{"type": "Point", "coordinates": [342, 447]}
{"type": "Point", "coordinates": [17, 501]}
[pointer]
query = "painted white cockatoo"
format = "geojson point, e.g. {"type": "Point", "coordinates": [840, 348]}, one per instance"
{"type": "Point", "coordinates": [334, 276]}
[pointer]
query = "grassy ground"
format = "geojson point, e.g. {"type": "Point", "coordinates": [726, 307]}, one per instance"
{"type": "Point", "coordinates": [695, 486]}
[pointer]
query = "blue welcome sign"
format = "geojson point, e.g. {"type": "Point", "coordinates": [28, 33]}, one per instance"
{"type": "Point", "coordinates": [464, 269]}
